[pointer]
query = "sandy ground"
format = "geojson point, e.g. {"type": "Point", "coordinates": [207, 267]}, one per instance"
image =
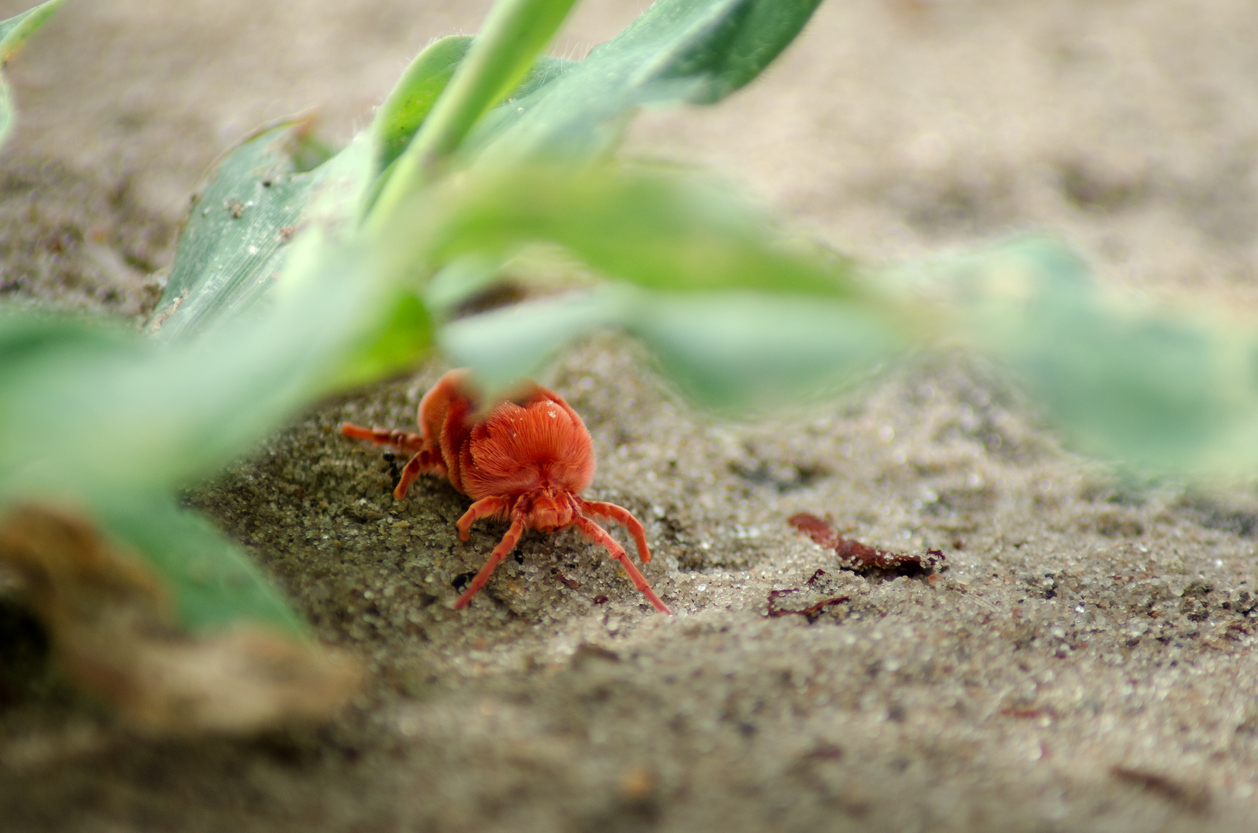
{"type": "Point", "coordinates": [1084, 663]}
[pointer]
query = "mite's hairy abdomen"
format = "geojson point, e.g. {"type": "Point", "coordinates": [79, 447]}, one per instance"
{"type": "Point", "coordinates": [520, 448]}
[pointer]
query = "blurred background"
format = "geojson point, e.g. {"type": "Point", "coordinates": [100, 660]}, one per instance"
{"type": "Point", "coordinates": [890, 128]}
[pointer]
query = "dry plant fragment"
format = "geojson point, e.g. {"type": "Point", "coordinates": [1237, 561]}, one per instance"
{"type": "Point", "coordinates": [112, 627]}
{"type": "Point", "coordinates": [858, 556]}
{"type": "Point", "coordinates": [812, 611]}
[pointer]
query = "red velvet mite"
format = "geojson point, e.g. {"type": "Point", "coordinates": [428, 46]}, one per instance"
{"type": "Point", "coordinates": [527, 460]}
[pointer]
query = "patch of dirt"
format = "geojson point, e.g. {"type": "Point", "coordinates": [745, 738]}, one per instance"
{"type": "Point", "coordinates": [73, 240]}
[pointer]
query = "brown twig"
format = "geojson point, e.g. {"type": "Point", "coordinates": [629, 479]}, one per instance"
{"type": "Point", "coordinates": [858, 556]}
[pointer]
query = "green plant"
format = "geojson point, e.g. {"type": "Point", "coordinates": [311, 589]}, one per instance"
{"type": "Point", "coordinates": [301, 272]}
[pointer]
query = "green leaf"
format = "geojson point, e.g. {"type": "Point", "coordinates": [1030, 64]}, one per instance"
{"type": "Point", "coordinates": [15, 30]}
{"type": "Point", "coordinates": [696, 51]}
{"type": "Point", "coordinates": [28, 339]}
{"type": "Point", "coordinates": [505, 345]}
{"type": "Point", "coordinates": [1168, 390]}
{"type": "Point", "coordinates": [13, 33]}
{"type": "Point", "coordinates": [546, 70]}
{"type": "Point", "coordinates": [513, 35]}
{"type": "Point", "coordinates": [425, 79]}
{"type": "Point", "coordinates": [400, 341]}
{"type": "Point", "coordinates": [413, 96]}
{"type": "Point", "coordinates": [728, 350]}
{"type": "Point", "coordinates": [238, 237]}
{"type": "Point", "coordinates": [146, 414]}
{"type": "Point", "coordinates": [236, 240]}
{"type": "Point", "coordinates": [212, 583]}
{"type": "Point", "coordinates": [657, 230]}
{"type": "Point", "coordinates": [740, 351]}
{"type": "Point", "coordinates": [232, 247]}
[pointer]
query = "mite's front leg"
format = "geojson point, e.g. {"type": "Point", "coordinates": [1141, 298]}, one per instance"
{"type": "Point", "coordinates": [500, 552]}
{"type": "Point", "coordinates": [599, 535]}
{"type": "Point", "coordinates": [483, 508]}
{"type": "Point", "coordinates": [621, 515]}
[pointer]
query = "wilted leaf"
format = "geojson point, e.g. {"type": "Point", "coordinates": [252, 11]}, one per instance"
{"type": "Point", "coordinates": [113, 629]}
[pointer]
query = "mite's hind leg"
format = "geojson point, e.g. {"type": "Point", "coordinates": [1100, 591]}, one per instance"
{"type": "Point", "coordinates": [404, 440]}
{"type": "Point", "coordinates": [426, 458]}
{"type": "Point", "coordinates": [427, 461]}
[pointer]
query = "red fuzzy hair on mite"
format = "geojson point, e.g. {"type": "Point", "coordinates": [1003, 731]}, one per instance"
{"type": "Point", "coordinates": [527, 461]}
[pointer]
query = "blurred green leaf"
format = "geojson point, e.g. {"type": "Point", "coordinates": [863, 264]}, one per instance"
{"type": "Point", "coordinates": [658, 230]}
{"type": "Point", "coordinates": [459, 281]}
{"type": "Point", "coordinates": [728, 350]}
{"type": "Point", "coordinates": [15, 30]}
{"type": "Point", "coordinates": [505, 345]}
{"type": "Point", "coordinates": [697, 51]}
{"type": "Point", "coordinates": [545, 70]}
{"type": "Point", "coordinates": [400, 341]}
{"type": "Point", "coordinates": [13, 33]}
{"type": "Point", "coordinates": [29, 338]}
{"type": "Point", "coordinates": [147, 414]}
{"type": "Point", "coordinates": [1170, 390]}
{"type": "Point", "coordinates": [740, 351]}
{"type": "Point", "coordinates": [212, 583]}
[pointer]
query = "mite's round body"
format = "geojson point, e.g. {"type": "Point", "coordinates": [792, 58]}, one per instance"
{"type": "Point", "coordinates": [527, 460]}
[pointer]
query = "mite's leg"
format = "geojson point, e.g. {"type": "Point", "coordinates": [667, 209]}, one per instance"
{"type": "Point", "coordinates": [427, 461]}
{"type": "Point", "coordinates": [621, 515]}
{"type": "Point", "coordinates": [599, 536]}
{"type": "Point", "coordinates": [404, 440]}
{"type": "Point", "coordinates": [483, 508]}
{"type": "Point", "coordinates": [500, 552]}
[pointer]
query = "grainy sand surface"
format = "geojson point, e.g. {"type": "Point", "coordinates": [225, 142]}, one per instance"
{"type": "Point", "coordinates": [1086, 661]}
